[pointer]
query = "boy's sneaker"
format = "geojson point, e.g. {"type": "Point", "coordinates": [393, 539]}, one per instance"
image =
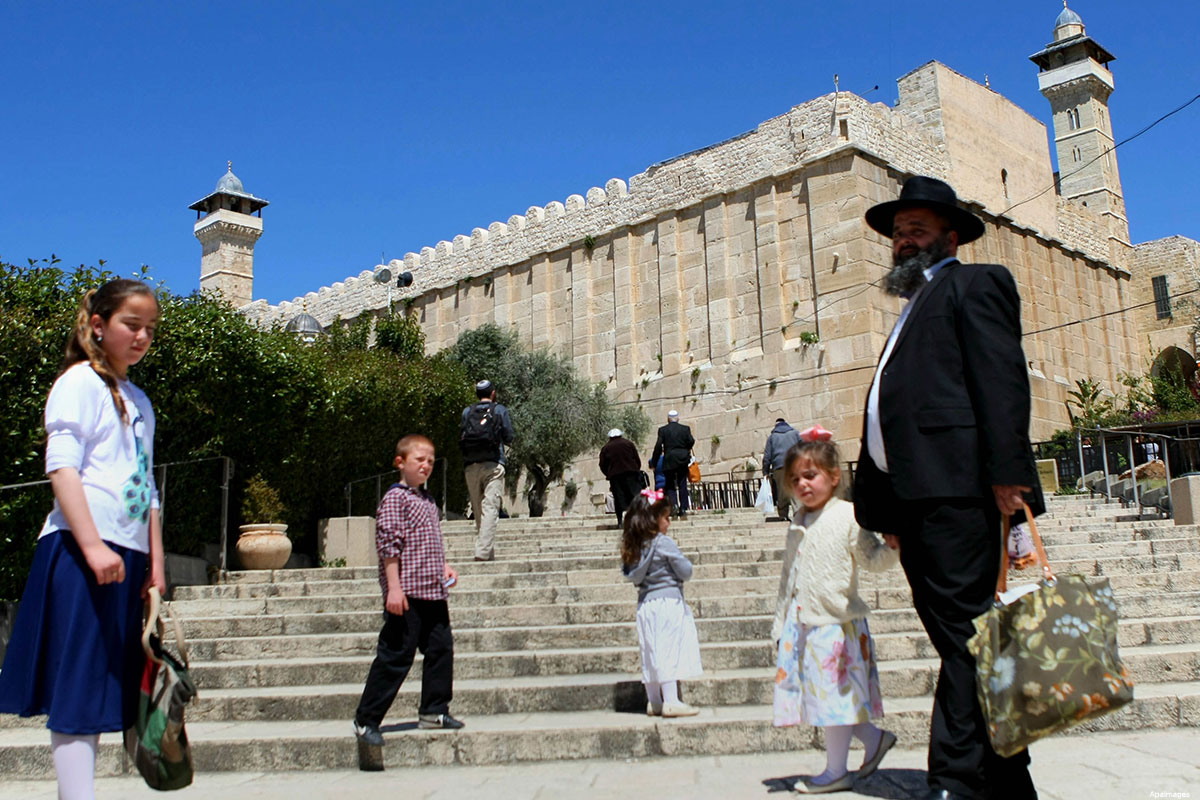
{"type": "Point", "coordinates": [438, 721]}
{"type": "Point", "coordinates": [368, 734]}
{"type": "Point", "coordinates": [370, 747]}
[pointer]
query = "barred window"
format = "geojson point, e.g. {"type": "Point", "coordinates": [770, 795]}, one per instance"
{"type": "Point", "coordinates": [1162, 296]}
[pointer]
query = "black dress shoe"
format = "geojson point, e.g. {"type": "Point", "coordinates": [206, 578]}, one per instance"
{"type": "Point", "coordinates": [944, 794]}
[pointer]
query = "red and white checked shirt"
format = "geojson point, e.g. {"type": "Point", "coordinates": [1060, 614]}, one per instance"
{"type": "Point", "coordinates": [407, 527]}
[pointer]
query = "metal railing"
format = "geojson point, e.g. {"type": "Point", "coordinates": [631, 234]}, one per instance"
{"type": "Point", "coordinates": [161, 474]}
{"type": "Point", "coordinates": [714, 495]}
{"type": "Point", "coordinates": [1112, 451]}
{"type": "Point", "coordinates": [377, 480]}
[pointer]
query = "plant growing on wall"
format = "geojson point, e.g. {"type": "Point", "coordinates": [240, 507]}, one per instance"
{"type": "Point", "coordinates": [1088, 399]}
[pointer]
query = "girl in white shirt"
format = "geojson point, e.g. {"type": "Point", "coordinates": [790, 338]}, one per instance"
{"type": "Point", "coordinates": [826, 674]}
{"type": "Point", "coordinates": [75, 653]}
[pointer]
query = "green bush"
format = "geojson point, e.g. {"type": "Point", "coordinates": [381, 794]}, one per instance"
{"type": "Point", "coordinates": [307, 418]}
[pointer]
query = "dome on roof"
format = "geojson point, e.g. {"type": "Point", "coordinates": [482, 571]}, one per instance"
{"type": "Point", "coordinates": [306, 325]}
{"type": "Point", "coordinates": [230, 182]}
{"type": "Point", "coordinates": [1067, 17]}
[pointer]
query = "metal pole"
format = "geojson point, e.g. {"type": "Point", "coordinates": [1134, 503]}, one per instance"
{"type": "Point", "coordinates": [1167, 467]}
{"type": "Point", "coordinates": [162, 498]}
{"type": "Point", "coordinates": [1133, 471]}
{"type": "Point", "coordinates": [349, 510]}
{"type": "Point", "coordinates": [1079, 448]}
{"type": "Point", "coordinates": [227, 469]}
{"type": "Point", "coordinates": [1104, 464]}
{"type": "Point", "coordinates": [445, 469]}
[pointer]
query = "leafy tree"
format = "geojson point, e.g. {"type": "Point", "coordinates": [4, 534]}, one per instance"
{"type": "Point", "coordinates": [558, 415]}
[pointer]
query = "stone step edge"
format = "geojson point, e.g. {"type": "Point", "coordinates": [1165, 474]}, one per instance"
{"type": "Point", "coordinates": [582, 627]}
{"type": "Point", "coordinates": [1145, 650]}
{"type": "Point", "coordinates": [329, 744]}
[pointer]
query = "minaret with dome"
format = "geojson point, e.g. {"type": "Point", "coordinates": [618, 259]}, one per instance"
{"type": "Point", "coordinates": [228, 223]}
{"type": "Point", "coordinates": [1074, 77]}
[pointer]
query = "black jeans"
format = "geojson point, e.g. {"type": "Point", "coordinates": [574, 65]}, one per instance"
{"type": "Point", "coordinates": [677, 487]}
{"type": "Point", "coordinates": [624, 487]}
{"type": "Point", "coordinates": [951, 555]}
{"type": "Point", "coordinates": [425, 626]}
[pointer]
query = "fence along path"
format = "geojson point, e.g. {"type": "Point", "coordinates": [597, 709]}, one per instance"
{"type": "Point", "coordinates": [546, 650]}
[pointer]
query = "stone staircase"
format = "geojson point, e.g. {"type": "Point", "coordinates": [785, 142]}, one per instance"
{"type": "Point", "coordinates": [546, 663]}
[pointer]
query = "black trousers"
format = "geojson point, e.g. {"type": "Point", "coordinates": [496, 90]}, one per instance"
{"type": "Point", "coordinates": [425, 626]}
{"type": "Point", "coordinates": [624, 488]}
{"type": "Point", "coordinates": [950, 552]}
{"type": "Point", "coordinates": [677, 487]}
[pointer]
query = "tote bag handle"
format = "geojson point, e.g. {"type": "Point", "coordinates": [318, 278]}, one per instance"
{"type": "Point", "coordinates": [1047, 573]}
{"type": "Point", "coordinates": [154, 623]}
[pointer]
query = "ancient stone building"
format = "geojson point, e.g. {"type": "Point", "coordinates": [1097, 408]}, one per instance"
{"type": "Point", "coordinates": [227, 228]}
{"type": "Point", "coordinates": [738, 283]}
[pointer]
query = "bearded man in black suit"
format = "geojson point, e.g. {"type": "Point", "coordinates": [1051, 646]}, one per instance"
{"type": "Point", "coordinates": [946, 452]}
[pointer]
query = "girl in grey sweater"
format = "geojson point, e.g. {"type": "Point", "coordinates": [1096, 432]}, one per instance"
{"type": "Point", "coordinates": [667, 637]}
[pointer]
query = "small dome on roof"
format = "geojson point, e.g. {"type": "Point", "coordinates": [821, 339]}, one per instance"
{"type": "Point", "coordinates": [230, 182]}
{"type": "Point", "coordinates": [1067, 17]}
{"type": "Point", "coordinates": [304, 324]}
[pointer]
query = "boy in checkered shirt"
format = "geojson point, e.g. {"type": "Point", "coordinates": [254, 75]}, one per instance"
{"type": "Point", "coordinates": [414, 576]}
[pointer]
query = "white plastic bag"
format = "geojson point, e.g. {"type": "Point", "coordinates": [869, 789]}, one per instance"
{"type": "Point", "coordinates": [765, 501]}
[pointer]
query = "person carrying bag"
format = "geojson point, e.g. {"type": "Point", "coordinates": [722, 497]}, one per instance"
{"type": "Point", "coordinates": [1046, 654]}
{"type": "Point", "coordinates": [157, 742]}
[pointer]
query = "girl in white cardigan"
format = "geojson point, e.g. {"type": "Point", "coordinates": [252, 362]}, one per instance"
{"type": "Point", "coordinates": [826, 674]}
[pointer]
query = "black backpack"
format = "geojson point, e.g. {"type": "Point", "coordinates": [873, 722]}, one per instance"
{"type": "Point", "coordinates": [480, 439]}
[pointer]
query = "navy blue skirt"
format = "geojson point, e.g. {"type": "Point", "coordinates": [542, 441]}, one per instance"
{"type": "Point", "coordinates": [76, 651]}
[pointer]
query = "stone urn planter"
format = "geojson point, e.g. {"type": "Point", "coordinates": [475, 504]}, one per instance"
{"type": "Point", "coordinates": [263, 545]}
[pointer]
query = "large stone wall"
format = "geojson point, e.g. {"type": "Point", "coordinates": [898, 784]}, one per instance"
{"type": "Point", "coordinates": [698, 285]}
{"type": "Point", "coordinates": [1177, 258]}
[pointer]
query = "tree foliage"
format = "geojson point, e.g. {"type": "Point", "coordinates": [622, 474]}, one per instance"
{"type": "Point", "coordinates": [558, 415]}
{"type": "Point", "coordinates": [308, 418]}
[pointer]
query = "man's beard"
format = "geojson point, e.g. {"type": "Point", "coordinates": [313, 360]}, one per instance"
{"type": "Point", "coordinates": [908, 272]}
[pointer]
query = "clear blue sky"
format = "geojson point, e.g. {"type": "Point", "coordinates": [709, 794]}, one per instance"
{"type": "Point", "coordinates": [377, 128]}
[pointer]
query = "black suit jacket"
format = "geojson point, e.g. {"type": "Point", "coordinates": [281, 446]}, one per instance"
{"type": "Point", "coordinates": [674, 444]}
{"type": "Point", "coordinates": [953, 400]}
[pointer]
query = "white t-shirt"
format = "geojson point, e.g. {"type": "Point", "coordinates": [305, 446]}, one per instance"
{"type": "Point", "coordinates": [115, 460]}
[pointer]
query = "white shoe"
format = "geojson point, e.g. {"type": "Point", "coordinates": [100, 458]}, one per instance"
{"type": "Point", "coordinates": [679, 710]}
{"type": "Point", "coordinates": [654, 709]}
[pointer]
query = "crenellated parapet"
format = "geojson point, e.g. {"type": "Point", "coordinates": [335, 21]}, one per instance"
{"type": "Point", "coordinates": [805, 134]}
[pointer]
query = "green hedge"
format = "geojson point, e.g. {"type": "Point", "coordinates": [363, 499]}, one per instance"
{"type": "Point", "coordinates": [309, 418]}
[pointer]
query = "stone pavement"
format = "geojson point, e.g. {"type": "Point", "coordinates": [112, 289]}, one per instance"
{"type": "Point", "coordinates": [1097, 766]}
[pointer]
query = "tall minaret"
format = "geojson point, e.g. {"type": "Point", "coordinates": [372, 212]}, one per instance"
{"type": "Point", "coordinates": [227, 230]}
{"type": "Point", "coordinates": [1074, 77]}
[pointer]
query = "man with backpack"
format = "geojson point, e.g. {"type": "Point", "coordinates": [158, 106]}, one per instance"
{"type": "Point", "coordinates": [486, 428]}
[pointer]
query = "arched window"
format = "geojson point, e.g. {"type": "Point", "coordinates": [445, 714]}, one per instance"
{"type": "Point", "coordinates": [1076, 154]}
{"type": "Point", "coordinates": [1004, 182]}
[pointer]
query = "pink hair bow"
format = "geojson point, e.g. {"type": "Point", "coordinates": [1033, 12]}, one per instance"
{"type": "Point", "coordinates": [816, 434]}
{"type": "Point", "coordinates": [653, 495]}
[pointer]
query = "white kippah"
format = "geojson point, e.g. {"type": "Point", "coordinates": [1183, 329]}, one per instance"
{"type": "Point", "coordinates": [614, 433]}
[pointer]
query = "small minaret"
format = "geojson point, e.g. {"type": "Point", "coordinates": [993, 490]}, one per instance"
{"type": "Point", "coordinates": [1074, 77]}
{"type": "Point", "coordinates": [227, 228]}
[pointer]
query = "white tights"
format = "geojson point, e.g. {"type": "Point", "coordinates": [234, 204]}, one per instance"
{"type": "Point", "coordinates": [666, 692]}
{"type": "Point", "coordinates": [837, 747]}
{"type": "Point", "coordinates": [75, 765]}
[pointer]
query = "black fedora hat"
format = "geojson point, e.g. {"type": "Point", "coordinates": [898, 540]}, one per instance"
{"type": "Point", "coordinates": [922, 192]}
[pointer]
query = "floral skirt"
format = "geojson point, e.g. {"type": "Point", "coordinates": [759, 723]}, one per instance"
{"type": "Point", "coordinates": [826, 674]}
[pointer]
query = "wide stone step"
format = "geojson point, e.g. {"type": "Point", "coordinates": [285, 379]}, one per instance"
{"type": "Point", "coordinates": [506, 738]}
{"type": "Point", "coordinates": [1148, 662]}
